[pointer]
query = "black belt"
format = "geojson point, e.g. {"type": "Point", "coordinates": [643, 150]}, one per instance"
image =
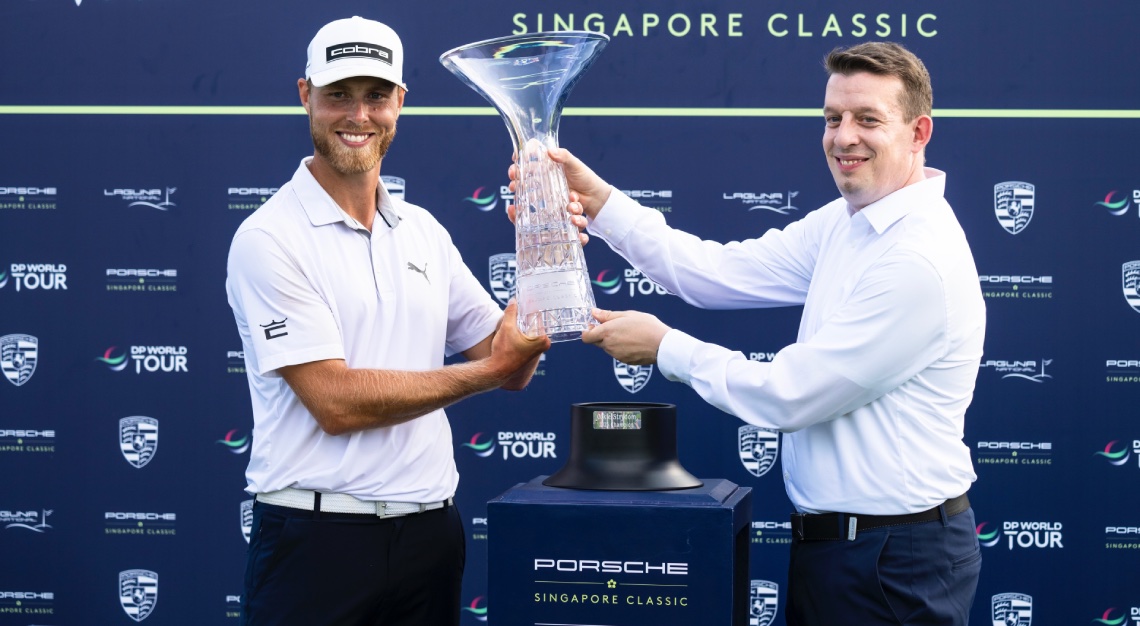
{"type": "Point", "coordinates": [837, 526]}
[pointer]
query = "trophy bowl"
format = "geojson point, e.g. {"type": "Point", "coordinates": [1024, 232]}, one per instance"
{"type": "Point", "coordinates": [527, 78]}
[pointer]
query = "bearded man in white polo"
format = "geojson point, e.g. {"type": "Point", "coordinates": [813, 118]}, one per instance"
{"type": "Point", "coordinates": [347, 302]}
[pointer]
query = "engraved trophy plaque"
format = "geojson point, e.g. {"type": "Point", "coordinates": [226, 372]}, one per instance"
{"type": "Point", "coordinates": [527, 78]}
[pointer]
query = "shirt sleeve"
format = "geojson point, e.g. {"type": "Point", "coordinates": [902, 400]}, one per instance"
{"type": "Point", "coordinates": [472, 314]}
{"type": "Point", "coordinates": [773, 270]}
{"type": "Point", "coordinates": [889, 329]}
{"type": "Point", "coordinates": [288, 322]}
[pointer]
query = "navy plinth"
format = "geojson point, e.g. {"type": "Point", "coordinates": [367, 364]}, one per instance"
{"type": "Point", "coordinates": [619, 558]}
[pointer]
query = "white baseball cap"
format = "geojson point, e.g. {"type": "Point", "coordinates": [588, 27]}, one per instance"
{"type": "Point", "coordinates": [355, 47]}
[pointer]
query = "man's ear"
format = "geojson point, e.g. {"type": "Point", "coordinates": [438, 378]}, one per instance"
{"type": "Point", "coordinates": [400, 99]}
{"type": "Point", "coordinates": [304, 92]}
{"type": "Point", "coordinates": [923, 129]}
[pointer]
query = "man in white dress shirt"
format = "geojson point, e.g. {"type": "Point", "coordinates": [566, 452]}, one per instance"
{"type": "Point", "coordinates": [347, 302]}
{"type": "Point", "coordinates": [872, 396]}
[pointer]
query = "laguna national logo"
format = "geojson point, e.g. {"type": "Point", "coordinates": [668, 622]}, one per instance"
{"type": "Point", "coordinates": [633, 378]}
{"type": "Point", "coordinates": [763, 599]}
{"type": "Point", "coordinates": [1013, 205]}
{"type": "Point", "coordinates": [503, 270]}
{"type": "Point", "coordinates": [35, 521]}
{"type": "Point", "coordinates": [138, 593]}
{"type": "Point", "coordinates": [138, 439]}
{"type": "Point", "coordinates": [18, 357]}
{"type": "Point", "coordinates": [1012, 609]}
{"type": "Point", "coordinates": [153, 198]}
{"type": "Point", "coordinates": [1130, 273]}
{"type": "Point", "coordinates": [758, 449]}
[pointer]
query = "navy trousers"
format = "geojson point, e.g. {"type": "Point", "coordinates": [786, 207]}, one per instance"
{"type": "Point", "coordinates": [344, 569]}
{"type": "Point", "coordinates": [920, 574]}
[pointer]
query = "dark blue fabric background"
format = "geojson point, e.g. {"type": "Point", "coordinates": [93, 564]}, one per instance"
{"type": "Point", "coordinates": [60, 551]}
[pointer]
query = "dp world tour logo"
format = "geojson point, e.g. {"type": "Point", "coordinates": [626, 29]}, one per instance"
{"type": "Point", "coordinates": [1115, 457]}
{"type": "Point", "coordinates": [1131, 280]}
{"type": "Point", "coordinates": [1013, 205]}
{"type": "Point", "coordinates": [633, 378]}
{"type": "Point", "coordinates": [763, 599]}
{"type": "Point", "coordinates": [481, 449]}
{"type": "Point", "coordinates": [116, 363]}
{"type": "Point", "coordinates": [758, 449]}
{"type": "Point", "coordinates": [138, 593]}
{"type": "Point", "coordinates": [609, 285]}
{"type": "Point", "coordinates": [474, 609]}
{"type": "Point", "coordinates": [1119, 207]}
{"type": "Point", "coordinates": [503, 269]}
{"type": "Point", "coordinates": [246, 519]}
{"type": "Point", "coordinates": [235, 444]}
{"type": "Point", "coordinates": [1107, 618]}
{"type": "Point", "coordinates": [1012, 609]}
{"type": "Point", "coordinates": [483, 203]}
{"type": "Point", "coordinates": [18, 356]}
{"type": "Point", "coordinates": [138, 439]}
{"type": "Point", "coordinates": [986, 538]}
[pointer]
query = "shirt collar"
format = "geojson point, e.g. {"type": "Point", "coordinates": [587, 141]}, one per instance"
{"type": "Point", "coordinates": [895, 206]}
{"type": "Point", "coordinates": [323, 210]}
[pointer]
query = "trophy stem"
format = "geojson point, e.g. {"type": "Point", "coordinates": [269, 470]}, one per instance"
{"type": "Point", "coordinates": [553, 284]}
{"type": "Point", "coordinates": [527, 78]}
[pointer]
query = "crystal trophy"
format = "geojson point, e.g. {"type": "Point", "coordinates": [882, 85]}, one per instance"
{"type": "Point", "coordinates": [527, 78]}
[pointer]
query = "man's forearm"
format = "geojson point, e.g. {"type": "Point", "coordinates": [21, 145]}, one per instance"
{"type": "Point", "coordinates": [344, 400]}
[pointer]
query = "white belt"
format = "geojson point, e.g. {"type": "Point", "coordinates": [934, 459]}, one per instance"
{"type": "Point", "coordinates": [344, 503]}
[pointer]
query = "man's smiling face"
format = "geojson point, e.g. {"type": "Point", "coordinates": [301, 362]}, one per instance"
{"type": "Point", "coordinates": [353, 121]}
{"type": "Point", "coordinates": [871, 148]}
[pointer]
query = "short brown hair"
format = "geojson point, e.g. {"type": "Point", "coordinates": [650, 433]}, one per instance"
{"type": "Point", "coordinates": [885, 58]}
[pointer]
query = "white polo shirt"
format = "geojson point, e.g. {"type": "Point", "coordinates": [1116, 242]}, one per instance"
{"type": "Point", "coordinates": [306, 283]}
{"type": "Point", "coordinates": [872, 396]}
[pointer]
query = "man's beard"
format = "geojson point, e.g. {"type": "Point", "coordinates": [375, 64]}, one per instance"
{"type": "Point", "coordinates": [347, 160]}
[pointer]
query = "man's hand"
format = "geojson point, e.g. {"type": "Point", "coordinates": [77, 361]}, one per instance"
{"type": "Point", "coordinates": [631, 337]}
{"type": "Point", "coordinates": [513, 352]}
{"type": "Point", "coordinates": [588, 192]}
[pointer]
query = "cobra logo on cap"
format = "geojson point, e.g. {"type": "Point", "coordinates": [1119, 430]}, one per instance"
{"type": "Point", "coordinates": [358, 49]}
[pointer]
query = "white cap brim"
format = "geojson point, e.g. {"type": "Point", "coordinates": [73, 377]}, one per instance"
{"type": "Point", "coordinates": [341, 72]}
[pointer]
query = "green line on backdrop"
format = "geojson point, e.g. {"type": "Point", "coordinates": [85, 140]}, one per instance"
{"type": "Point", "coordinates": [569, 111]}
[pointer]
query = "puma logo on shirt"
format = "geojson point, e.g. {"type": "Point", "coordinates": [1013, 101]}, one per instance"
{"type": "Point", "coordinates": [412, 267]}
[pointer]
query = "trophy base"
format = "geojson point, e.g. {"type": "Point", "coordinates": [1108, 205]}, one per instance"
{"type": "Point", "coordinates": [566, 335]}
{"type": "Point", "coordinates": [623, 446]}
{"type": "Point", "coordinates": [558, 324]}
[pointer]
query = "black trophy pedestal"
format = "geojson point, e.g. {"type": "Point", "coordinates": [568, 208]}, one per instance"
{"type": "Point", "coordinates": [623, 446]}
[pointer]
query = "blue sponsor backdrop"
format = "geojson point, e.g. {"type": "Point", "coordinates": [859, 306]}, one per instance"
{"type": "Point", "coordinates": [115, 222]}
